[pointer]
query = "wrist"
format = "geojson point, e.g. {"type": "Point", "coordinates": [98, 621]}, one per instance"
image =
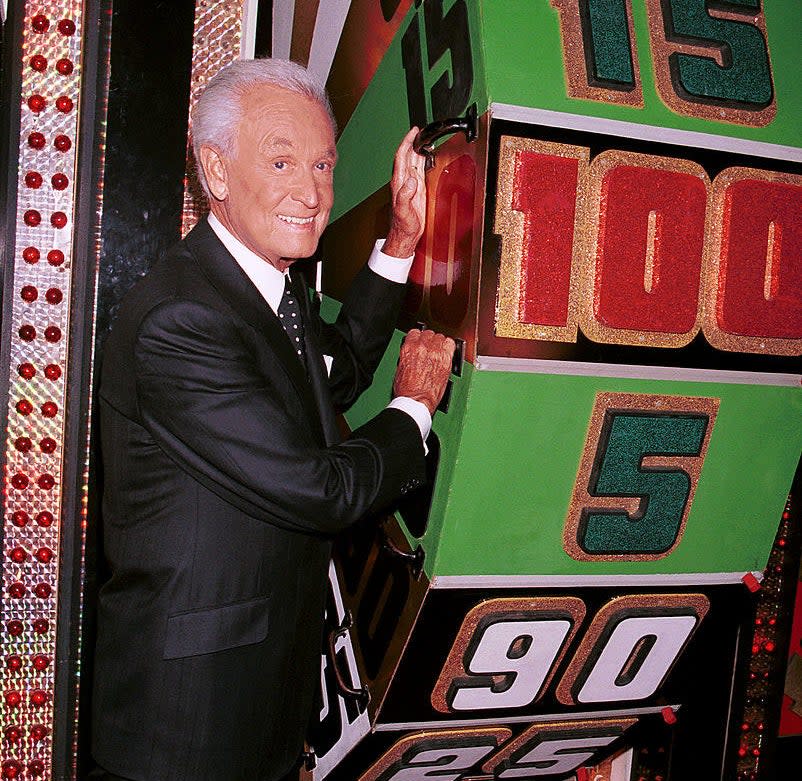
{"type": "Point", "coordinates": [400, 246]}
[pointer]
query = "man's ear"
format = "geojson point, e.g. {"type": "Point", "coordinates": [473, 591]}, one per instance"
{"type": "Point", "coordinates": [214, 169]}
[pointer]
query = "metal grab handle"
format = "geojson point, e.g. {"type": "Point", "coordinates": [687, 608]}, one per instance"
{"type": "Point", "coordinates": [424, 141]}
{"type": "Point", "coordinates": [362, 696]}
{"type": "Point", "coordinates": [415, 558]}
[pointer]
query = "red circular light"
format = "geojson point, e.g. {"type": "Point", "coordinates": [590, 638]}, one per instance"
{"type": "Point", "coordinates": [742, 751]}
{"type": "Point", "coordinates": [14, 627]}
{"type": "Point", "coordinates": [20, 518]}
{"type": "Point", "coordinates": [20, 481]}
{"type": "Point", "coordinates": [27, 333]}
{"type": "Point", "coordinates": [41, 662]}
{"type": "Point", "coordinates": [45, 519]}
{"type": "Point", "coordinates": [40, 23]}
{"type": "Point", "coordinates": [24, 407]}
{"type": "Point", "coordinates": [30, 255]}
{"type": "Point", "coordinates": [52, 372]}
{"type": "Point", "coordinates": [38, 63]}
{"type": "Point", "coordinates": [38, 697]}
{"type": "Point", "coordinates": [52, 333]}
{"type": "Point", "coordinates": [781, 543]}
{"type": "Point", "coordinates": [42, 590]}
{"type": "Point", "coordinates": [39, 731]}
{"type": "Point", "coordinates": [32, 218]}
{"type": "Point", "coordinates": [17, 590]}
{"type": "Point", "coordinates": [770, 647]}
{"type": "Point", "coordinates": [45, 555]}
{"type": "Point", "coordinates": [50, 409]}
{"type": "Point", "coordinates": [41, 626]}
{"type": "Point", "coordinates": [36, 767]}
{"type": "Point", "coordinates": [13, 734]}
{"type": "Point", "coordinates": [66, 27]}
{"type": "Point", "coordinates": [48, 445]}
{"type": "Point", "coordinates": [29, 293]}
{"type": "Point", "coordinates": [58, 219]}
{"type": "Point", "coordinates": [14, 662]}
{"type": "Point", "coordinates": [33, 179]}
{"type": "Point", "coordinates": [18, 555]}
{"type": "Point", "coordinates": [59, 181]}
{"type": "Point", "coordinates": [23, 444]}
{"type": "Point", "coordinates": [54, 296]}
{"type": "Point", "coordinates": [12, 698]}
{"type": "Point", "coordinates": [62, 143]}
{"type": "Point", "coordinates": [64, 67]}
{"type": "Point", "coordinates": [26, 370]}
{"type": "Point", "coordinates": [64, 104]}
{"type": "Point", "coordinates": [36, 103]}
{"type": "Point", "coordinates": [46, 482]}
{"type": "Point", "coordinates": [36, 140]}
{"type": "Point", "coordinates": [55, 257]}
{"type": "Point", "coordinates": [12, 769]}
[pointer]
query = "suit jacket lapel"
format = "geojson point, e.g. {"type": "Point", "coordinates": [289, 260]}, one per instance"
{"type": "Point", "coordinates": [232, 283]}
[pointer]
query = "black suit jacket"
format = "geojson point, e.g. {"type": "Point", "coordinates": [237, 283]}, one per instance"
{"type": "Point", "coordinates": [224, 484]}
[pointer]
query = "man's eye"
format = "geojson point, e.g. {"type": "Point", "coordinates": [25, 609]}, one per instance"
{"type": "Point", "coordinates": [279, 165]}
{"type": "Point", "coordinates": [324, 166]}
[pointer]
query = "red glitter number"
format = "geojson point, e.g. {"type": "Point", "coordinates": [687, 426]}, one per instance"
{"type": "Point", "coordinates": [759, 290]}
{"type": "Point", "coordinates": [649, 252]}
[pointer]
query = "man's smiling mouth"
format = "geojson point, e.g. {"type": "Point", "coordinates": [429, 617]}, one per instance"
{"type": "Point", "coordinates": [295, 220]}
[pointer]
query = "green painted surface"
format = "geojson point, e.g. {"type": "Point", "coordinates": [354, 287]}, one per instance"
{"type": "Point", "coordinates": [517, 460]}
{"type": "Point", "coordinates": [510, 449]}
{"type": "Point", "coordinates": [511, 443]}
{"type": "Point", "coordinates": [368, 142]}
{"type": "Point", "coordinates": [524, 67]}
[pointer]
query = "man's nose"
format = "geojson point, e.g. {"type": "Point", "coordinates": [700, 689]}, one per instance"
{"type": "Point", "coordinates": [305, 188]}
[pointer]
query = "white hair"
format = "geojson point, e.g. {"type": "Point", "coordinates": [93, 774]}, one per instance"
{"type": "Point", "coordinates": [219, 109]}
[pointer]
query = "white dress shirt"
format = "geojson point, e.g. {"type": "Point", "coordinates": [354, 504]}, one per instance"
{"type": "Point", "coordinates": [269, 282]}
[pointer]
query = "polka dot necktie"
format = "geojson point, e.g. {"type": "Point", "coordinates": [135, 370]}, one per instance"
{"type": "Point", "coordinates": [289, 315]}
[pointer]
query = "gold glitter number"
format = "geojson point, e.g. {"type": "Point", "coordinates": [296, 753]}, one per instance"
{"type": "Point", "coordinates": [449, 753]}
{"type": "Point", "coordinates": [599, 50]}
{"type": "Point", "coordinates": [630, 648]}
{"type": "Point", "coordinates": [638, 475]}
{"type": "Point", "coordinates": [556, 747]}
{"type": "Point", "coordinates": [712, 61]}
{"type": "Point", "coordinates": [505, 653]}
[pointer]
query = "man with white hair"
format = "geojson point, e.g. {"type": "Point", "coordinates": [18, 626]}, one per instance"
{"type": "Point", "coordinates": [225, 476]}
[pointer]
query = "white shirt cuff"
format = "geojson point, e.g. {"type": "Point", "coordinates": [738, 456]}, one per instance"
{"type": "Point", "coordinates": [417, 411]}
{"type": "Point", "coordinates": [394, 269]}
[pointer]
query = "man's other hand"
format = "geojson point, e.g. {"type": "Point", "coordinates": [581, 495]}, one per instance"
{"type": "Point", "coordinates": [408, 192]}
{"type": "Point", "coordinates": [424, 367]}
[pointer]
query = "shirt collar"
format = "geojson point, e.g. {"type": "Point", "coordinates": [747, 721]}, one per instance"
{"type": "Point", "coordinates": [268, 279]}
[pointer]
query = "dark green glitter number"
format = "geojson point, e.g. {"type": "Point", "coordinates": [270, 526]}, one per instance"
{"type": "Point", "coordinates": [608, 50]}
{"type": "Point", "coordinates": [743, 80]}
{"type": "Point", "coordinates": [625, 439]}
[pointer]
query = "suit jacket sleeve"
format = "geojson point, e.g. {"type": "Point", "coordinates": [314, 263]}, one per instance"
{"type": "Point", "coordinates": [244, 433]}
{"type": "Point", "coordinates": [358, 338]}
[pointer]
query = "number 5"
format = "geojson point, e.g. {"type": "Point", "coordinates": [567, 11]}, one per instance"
{"type": "Point", "coordinates": [638, 474]}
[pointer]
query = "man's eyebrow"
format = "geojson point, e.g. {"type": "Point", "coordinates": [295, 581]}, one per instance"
{"type": "Point", "coordinates": [279, 141]}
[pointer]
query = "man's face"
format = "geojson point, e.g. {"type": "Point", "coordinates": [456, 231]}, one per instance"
{"type": "Point", "coordinates": [278, 186]}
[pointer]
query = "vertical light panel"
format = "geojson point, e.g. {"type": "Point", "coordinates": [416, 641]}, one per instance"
{"type": "Point", "coordinates": [217, 41]}
{"type": "Point", "coordinates": [40, 288]}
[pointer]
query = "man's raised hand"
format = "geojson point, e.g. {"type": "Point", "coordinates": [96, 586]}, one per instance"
{"type": "Point", "coordinates": [408, 192]}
